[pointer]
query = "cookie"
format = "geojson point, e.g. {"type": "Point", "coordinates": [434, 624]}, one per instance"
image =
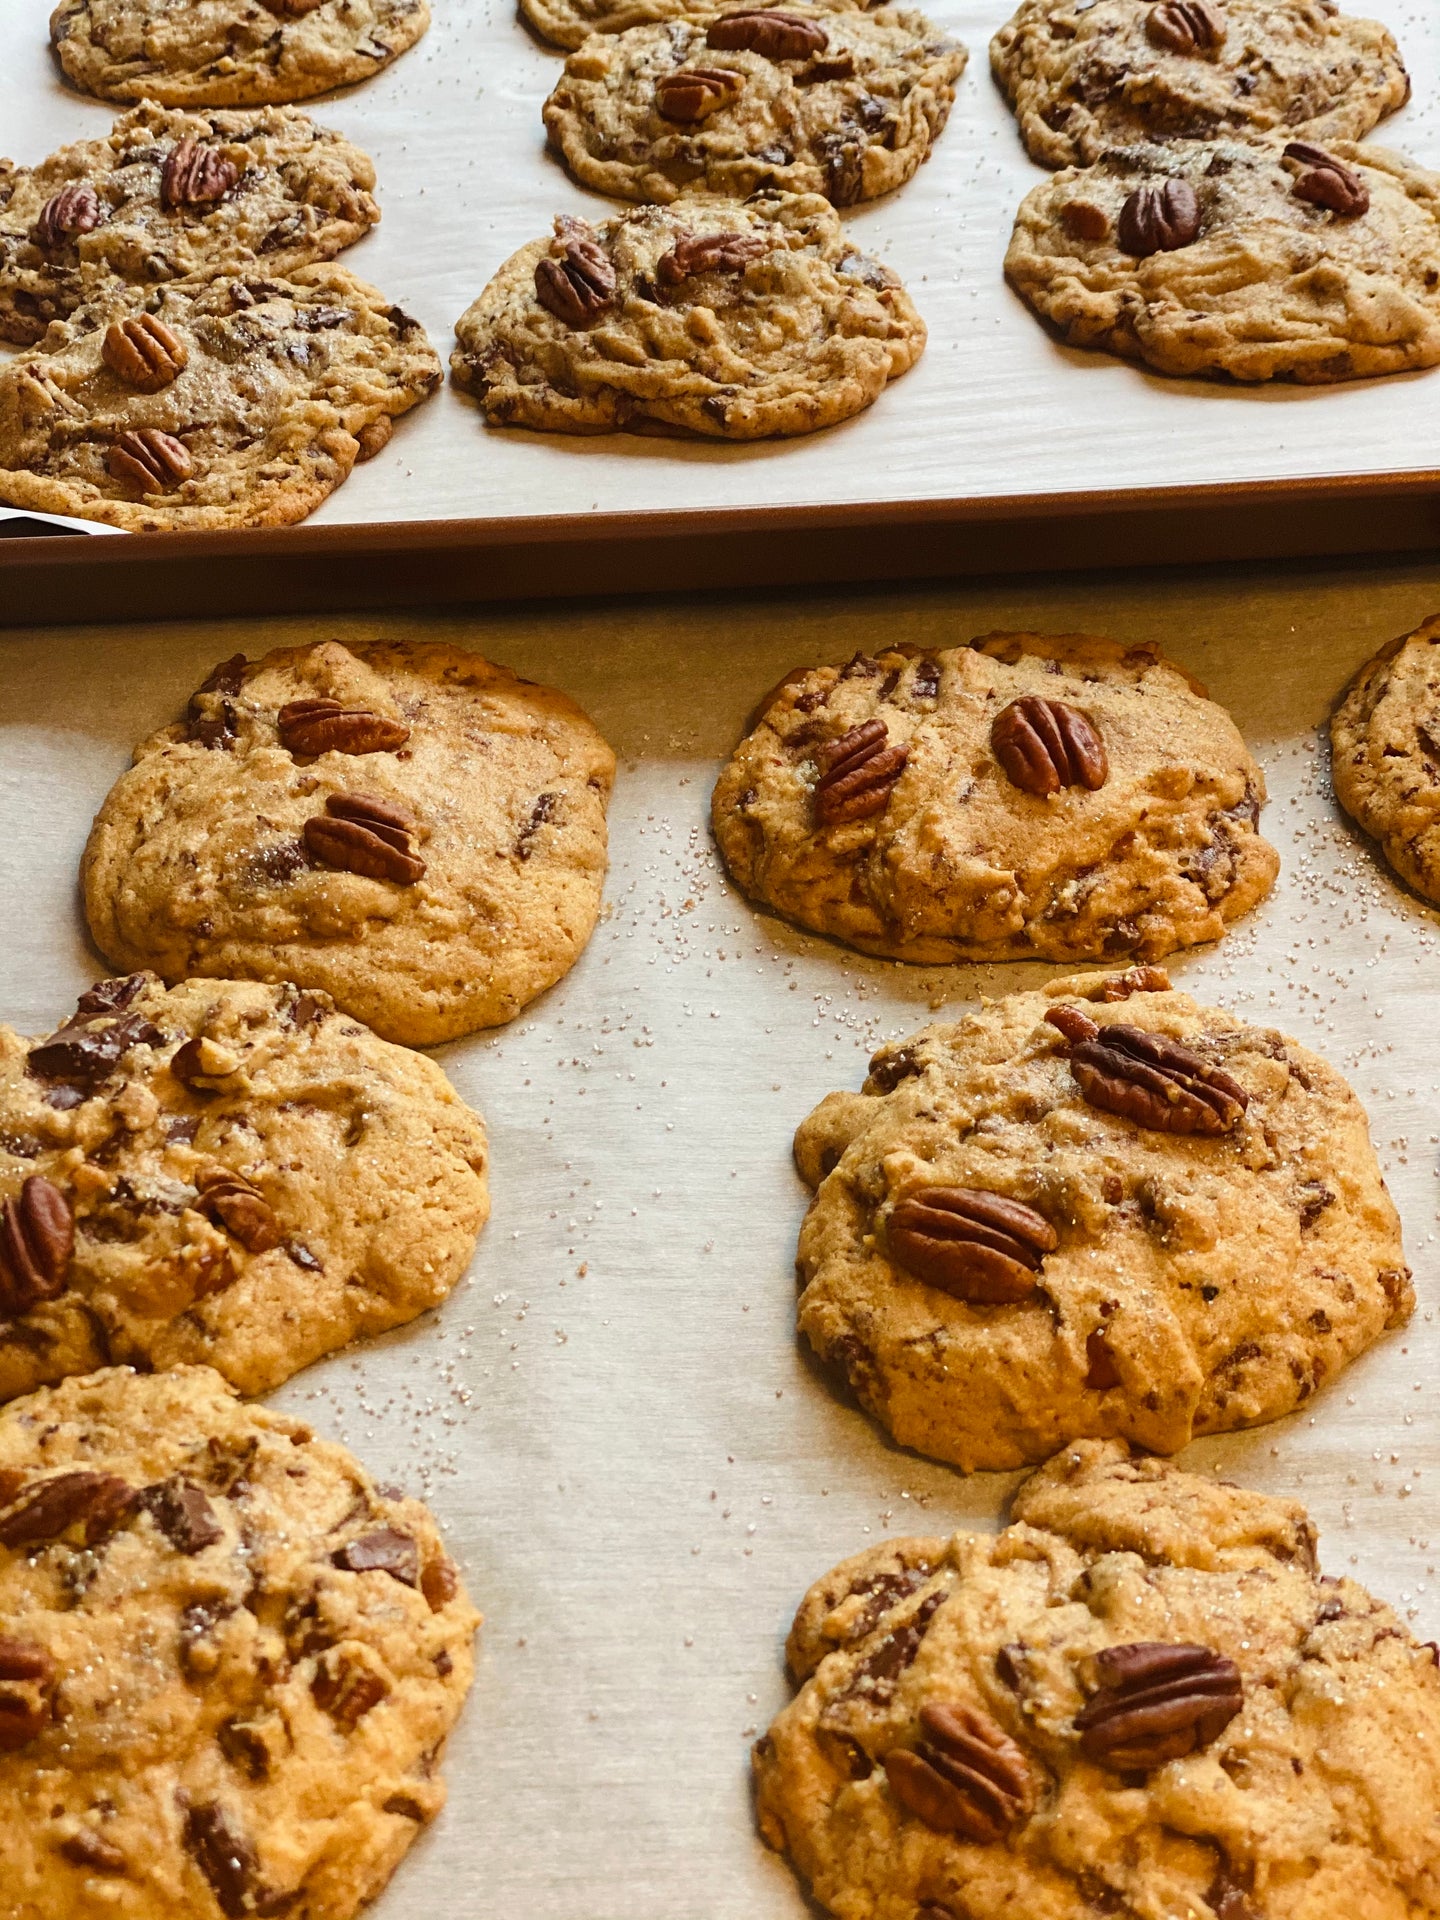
{"type": "Point", "coordinates": [1140, 1697]}
{"type": "Point", "coordinates": [846, 104]}
{"type": "Point", "coordinates": [731, 320]}
{"type": "Point", "coordinates": [166, 195]}
{"type": "Point", "coordinates": [228, 1174]}
{"type": "Point", "coordinates": [1385, 755]}
{"type": "Point", "coordinates": [230, 402]}
{"type": "Point", "coordinates": [1094, 1211]}
{"type": "Point", "coordinates": [567, 23]}
{"type": "Point", "coordinates": [410, 829]}
{"type": "Point", "coordinates": [229, 1661]}
{"type": "Point", "coordinates": [229, 53]}
{"type": "Point", "coordinates": [1266, 261]}
{"type": "Point", "coordinates": [1059, 797]}
{"type": "Point", "coordinates": [1082, 78]}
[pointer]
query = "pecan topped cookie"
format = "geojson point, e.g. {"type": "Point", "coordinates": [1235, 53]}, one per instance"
{"type": "Point", "coordinates": [730, 319]}
{"type": "Point", "coordinates": [166, 195]}
{"type": "Point", "coordinates": [1385, 754]}
{"type": "Point", "coordinates": [228, 1661]}
{"type": "Point", "coordinates": [568, 23]}
{"type": "Point", "coordinates": [225, 1173]}
{"type": "Point", "coordinates": [229, 53]}
{"type": "Point", "coordinates": [411, 829]}
{"type": "Point", "coordinates": [843, 103]}
{"type": "Point", "coordinates": [238, 401]}
{"type": "Point", "coordinates": [1084, 77]}
{"type": "Point", "coordinates": [1094, 1210]}
{"type": "Point", "coordinates": [1140, 1697]}
{"type": "Point", "coordinates": [1058, 796]}
{"type": "Point", "coordinates": [1141, 255]}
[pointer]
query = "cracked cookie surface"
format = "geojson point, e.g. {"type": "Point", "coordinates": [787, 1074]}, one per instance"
{"type": "Point", "coordinates": [229, 53]}
{"type": "Point", "coordinates": [1083, 78]}
{"type": "Point", "coordinates": [1269, 285]}
{"type": "Point", "coordinates": [849, 110]}
{"type": "Point", "coordinates": [248, 1178]}
{"type": "Point", "coordinates": [229, 1662]}
{"type": "Point", "coordinates": [732, 320]}
{"type": "Point", "coordinates": [224, 850]}
{"type": "Point", "coordinates": [961, 862]}
{"type": "Point", "coordinates": [281, 193]}
{"type": "Point", "coordinates": [1293, 1808]}
{"type": "Point", "coordinates": [1194, 1282]}
{"type": "Point", "coordinates": [1385, 746]}
{"type": "Point", "coordinates": [271, 391]}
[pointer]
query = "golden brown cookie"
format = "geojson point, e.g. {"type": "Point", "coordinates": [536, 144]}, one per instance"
{"type": "Point", "coordinates": [1095, 1210]}
{"type": "Point", "coordinates": [1141, 1697]}
{"type": "Point", "coordinates": [567, 23]}
{"type": "Point", "coordinates": [1385, 754]}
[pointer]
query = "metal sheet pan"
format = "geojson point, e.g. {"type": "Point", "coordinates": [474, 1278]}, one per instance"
{"type": "Point", "coordinates": [638, 1468]}
{"type": "Point", "coordinates": [994, 411]}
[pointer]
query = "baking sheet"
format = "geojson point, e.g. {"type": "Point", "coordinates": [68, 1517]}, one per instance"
{"type": "Point", "coordinates": [636, 1465]}
{"type": "Point", "coordinates": [994, 409]}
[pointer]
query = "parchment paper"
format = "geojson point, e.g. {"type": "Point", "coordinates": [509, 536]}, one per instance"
{"type": "Point", "coordinates": [994, 408]}
{"type": "Point", "coordinates": [639, 1470]}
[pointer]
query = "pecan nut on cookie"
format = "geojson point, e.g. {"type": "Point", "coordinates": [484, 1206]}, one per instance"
{"type": "Point", "coordinates": [729, 319]}
{"type": "Point", "coordinates": [411, 829]}
{"type": "Point", "coordinates": [1140, 1697]}
{"type": "Point", "coordinates": [228, 1661]}
{"type": "Point", "coordinates": [226, 1173]}
{"type": "Point", "coordinates": [238, 401]}
{"type": "Point", "coordinates": [1057, 796]}
{"type": "Point", "coordinates": [568, 23]}
{"type": "Point", "coordinates": [166, 195]}
{"type": "Point", "coordinates": [1085, 77]}
{"type": "Point", "coordinates": [1096, 1210]}
{"type": "Point", "coordinates": [229, 53]}
{"type": "Point", "coordinates": [1385, 751]}
{"type": "Point", "coordinates": [846, 103]}
{"type": "Point", "coordinates": [1272, 260]}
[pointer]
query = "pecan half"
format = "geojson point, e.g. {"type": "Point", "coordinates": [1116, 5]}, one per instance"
{"type": "Point", "coordinates": [1327, 182]}
{"type": "Point", "coordinates": [152, 461]}
{"type": "Point", "coordinates": [979, 1246]}
{"type": "Point", "coordinates": [356, 834]}
{"type": "Point", "coordinates": [310, 727]}
{"type": "Point", "coordinates": [75, 209]}
{"type": "Point", "coordinates": [577, 283]}
{"type": "Point", "coordinates": [1159, 217]}
{"type": "Point", "coordinates": [386, 1550]}
{"type": "Point", "coordinates": [183, 1513]}
{"type": "Point", "coordinates": [144, 352]}
{"type": "Point", "coordinates": [965, 1775]}
{"type": "Point", "coordinates": [83, 1056]}
{"type": "Point", "coordinates": [195, 176]}
{"type": "Point", "coordinates": [1044, 745]}
{"type": "Point", "coordinates": [37, 1239]}
{"type": "Point", "coordinates": [1186, 26]}
{"type": "Point", "coordinates": [766, 31]}
{"type": "Point", "coordinates": [695, 253]}
{"type": "Point", "coordinates": [857, 774]}
{"type": "Point", "coordinates": [27, 1681]}
{"type": "Point", "coordinates": [694, 93]}
{"type": "Point", "coordinates": [46, 1508]}
{"type": "Point", "coordinates": [237, 1204]}
{"type": "Point", "coordinates": [1157, 1702]}
{"type": "Point", "coordinates": [1150, 1079]}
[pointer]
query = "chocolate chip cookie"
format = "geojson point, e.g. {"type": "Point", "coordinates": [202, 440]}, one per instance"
{"type": "Point", "coordinates": [1141, 1697]}
{"type": "Point", "coordinates": [1028, 795]}
{"type": "Point", "coordinates": [1096, 1210]}
{"type": "Point", "coordinates": [166, 195]}
{"type": "Point", "coordinates": [728, 319]}
{"type": "Point", "coordinates": [1085, 77]}
{"type": "Point", "coordinates": [567, 23]}
{"type": "Point", "coordinates": [237, 401]}
{"type": "Point", "coordinates": [226, 1173]}
{"type": "Point", "coordinates": [1271, 260]}
{"type": "Point", "coordinates": [229, 53]}
{"type": "Point", "coordinates": [408, 828]}
{"type": "Point", "coordinates": [229, 1662]}
{"type": "Point", "coordinates": [846, 104]}
{"type": "Point", "coordinates": [1385, 754]}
